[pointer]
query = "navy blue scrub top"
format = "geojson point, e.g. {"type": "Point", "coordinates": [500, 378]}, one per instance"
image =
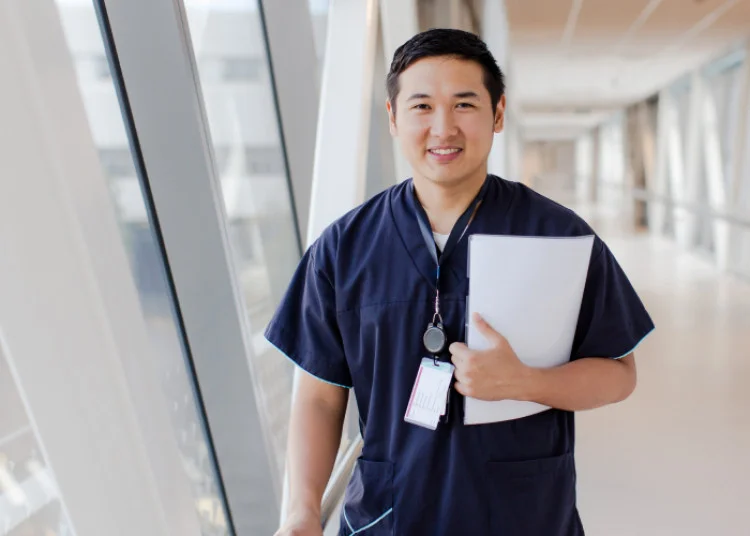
{"type": "Point", "coordinates": [354, 316]}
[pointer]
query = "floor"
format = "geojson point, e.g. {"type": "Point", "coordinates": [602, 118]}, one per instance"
{"type": "Point", "coordinates": [673, 459]}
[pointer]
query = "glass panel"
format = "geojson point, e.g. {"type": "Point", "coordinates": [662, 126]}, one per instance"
{"type": "Point", "coordinates": [584, 158]}
{"type": "Point", "coordinates": [743, 201]}
{"type": "Point", "coordinates": [611, 172]}
{"type": "Point", "coordinates": [249, 160]}
{"type": "Point", "coordinates": [725, 86]}
{"type": "Point", "coordinates": [741, 244]}
{"type": "Point", "coordinates": [97, 88]}
{"type": "Point", "coordinates": [705, 229]}
{"type": "Point", "coordinates": [741, 254]}
{"type": "Point", "coordinates": [30, 502]}
{"type": "Point", "coordinates": [319, 13]}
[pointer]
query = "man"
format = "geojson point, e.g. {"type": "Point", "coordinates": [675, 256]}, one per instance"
{"type": "Point", "coordinates": [356, 311]}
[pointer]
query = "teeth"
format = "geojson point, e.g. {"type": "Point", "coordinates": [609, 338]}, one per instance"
{"type": "Point", "coordinates": [444, 151]}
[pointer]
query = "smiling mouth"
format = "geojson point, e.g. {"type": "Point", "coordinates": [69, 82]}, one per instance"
{"type": "Point", "coordinates": [444, 152]}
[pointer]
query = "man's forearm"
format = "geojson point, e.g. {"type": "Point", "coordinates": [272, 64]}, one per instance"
{"type": "Point", "coordinates": [314, 439]}
{"type": "Point", "coordinates": [583, 384]}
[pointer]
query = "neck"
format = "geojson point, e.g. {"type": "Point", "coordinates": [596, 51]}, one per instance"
{"type": "Point", "coordinates": [444, 203]}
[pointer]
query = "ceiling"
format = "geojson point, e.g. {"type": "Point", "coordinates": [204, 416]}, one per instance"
{"type": "Point", "coordinates": [575, 61]}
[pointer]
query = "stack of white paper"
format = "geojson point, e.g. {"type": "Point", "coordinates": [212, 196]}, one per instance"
{"type": "Point", "coordinates": [529, 289]}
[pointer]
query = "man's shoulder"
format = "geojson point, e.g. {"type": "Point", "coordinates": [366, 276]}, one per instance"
{"type": "Point", "coordinates": [373, 208]}
{"type": "Point", "coordinates": [365, 218]}
{"type": "Point", "coordinates": [542, 213]}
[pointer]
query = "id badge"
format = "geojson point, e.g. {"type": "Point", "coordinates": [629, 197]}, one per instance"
{"type": "Point", "coordinates": [429, 396]}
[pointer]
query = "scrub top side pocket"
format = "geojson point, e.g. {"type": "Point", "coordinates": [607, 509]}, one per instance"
{"type": "Point", "coordinates": [368, 503]}
{"type": "Point", "coordinates": [534, 497]}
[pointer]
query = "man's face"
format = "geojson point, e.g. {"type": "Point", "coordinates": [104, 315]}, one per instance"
{"type": "Point", "coordinates": [444, 119]}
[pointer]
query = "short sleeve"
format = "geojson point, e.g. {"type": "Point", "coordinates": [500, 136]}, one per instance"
{"type": "Point", "coordinates": [305, 328]}
{"type": "Point", "coordinates": [613, 321]}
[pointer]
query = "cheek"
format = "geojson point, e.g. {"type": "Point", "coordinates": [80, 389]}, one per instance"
{"type": "Point", "coordinates": [412, 135]}
{"type": "Point", "coordinates": [478, 135]}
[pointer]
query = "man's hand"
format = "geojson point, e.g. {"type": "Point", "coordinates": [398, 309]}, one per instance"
{"type": "Point", "coordinates": [498, 374]}
{"type": "Point", "coordinates": [301, 525]}
{"type": "Point", "coordinates": [494, 374]}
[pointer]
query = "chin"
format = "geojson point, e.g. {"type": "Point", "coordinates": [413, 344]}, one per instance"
{"type": "Point", "coordinates": [448, 178]}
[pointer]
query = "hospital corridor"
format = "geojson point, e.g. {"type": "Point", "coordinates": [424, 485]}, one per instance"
{"type": "Point", "coordinates": [670, 460]}
{"type": "Point", "coordinates": [206, 206]}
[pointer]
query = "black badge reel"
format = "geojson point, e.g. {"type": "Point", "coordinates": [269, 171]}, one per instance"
{"type": "Point", "coordinates": [434, 337]}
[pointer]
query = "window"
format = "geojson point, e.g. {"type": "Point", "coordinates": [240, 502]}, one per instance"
{"type": "Point", "coordinates": [249, 161]}
{"type": "Point", "coordinates": [29, 498]}
{"type": "Point", "coordinates": [725, 84]}
{"type": "Point", "coordinates": [243, 69]}
{"type": "Point", "coordinates": [117, 161]}
{"type": "Point", "coordinates": [148, 267]}
{"type": "Point", "coordinates": [319, 14]}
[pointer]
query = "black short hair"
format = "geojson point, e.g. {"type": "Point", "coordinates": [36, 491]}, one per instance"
{"type": "Point", "coordinates": [446, 42]}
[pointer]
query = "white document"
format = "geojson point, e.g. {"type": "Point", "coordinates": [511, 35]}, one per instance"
{"type": "Point", "coordinates": [529, 289]}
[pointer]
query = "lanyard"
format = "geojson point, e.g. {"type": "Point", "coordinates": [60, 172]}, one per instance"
{"type": "Point", "coordinates": [434, 338]}
{"type": "Point", "coordinates": [457, 233]}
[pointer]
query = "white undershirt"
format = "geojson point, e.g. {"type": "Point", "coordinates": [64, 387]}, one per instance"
{"type": "Point", "coordinates": [440, 240]}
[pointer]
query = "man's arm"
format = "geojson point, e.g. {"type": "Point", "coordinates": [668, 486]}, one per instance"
{"type": "Point", "coordinates": [498, 374]}
{"type": "Point", "coordinates": [582, 384]}
{"type": "Point", "coordinates": [314, 437]}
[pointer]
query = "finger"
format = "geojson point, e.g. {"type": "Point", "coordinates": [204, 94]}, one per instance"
{"type": "Point", "coordinates": [459, 375]}
{"type": "Point", "coordinates": [462, 389]}
{"type": "Point", "coordinates": [465, 359]}
{"type": "Point", "coordinates": [459, 349]}
{"type": "Point", "coordinates": [489, 333]}
{"type": "Point", "coordinates": [459, 362]}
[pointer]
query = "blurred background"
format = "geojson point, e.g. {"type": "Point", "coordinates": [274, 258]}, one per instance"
{"type": "Point", "coordinates": [164, 164]}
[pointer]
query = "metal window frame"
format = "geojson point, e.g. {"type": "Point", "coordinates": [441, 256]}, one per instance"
{"type": "Point", "coordinates": [293, 63]}
{"type": "Point", "coordinates": [714, 177]}
{"type": "Point", "coordinates": [89, 385]}
{"type": "Point", "coordinates": [673, 196]}
{"type": "Point", "coordinates": [399, 22]}
{"type": "Point", "coordinates": [658, 214]}
{"type": "Point", "coordinates": [160, 77]}
{"type": "Point", "coordinates": [740, 181]}
{"type": "Point", "coordinates": [339, 171]}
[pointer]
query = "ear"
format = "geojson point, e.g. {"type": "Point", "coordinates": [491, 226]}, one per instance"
{"type": "Point", "coordinates": [391, 118]}
{"type": "Point", "coordinates": [500, 115]}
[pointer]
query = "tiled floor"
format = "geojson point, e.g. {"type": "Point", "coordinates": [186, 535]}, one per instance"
{"type": "Point", "coordinates": [674, 459]}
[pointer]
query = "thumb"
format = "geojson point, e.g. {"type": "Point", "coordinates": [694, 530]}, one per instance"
{"type": "Point", "coordinates": [489, 333]}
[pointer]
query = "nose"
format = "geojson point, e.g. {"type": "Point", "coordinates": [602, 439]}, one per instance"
{"type": "Point", "coordinates": [443, 124]}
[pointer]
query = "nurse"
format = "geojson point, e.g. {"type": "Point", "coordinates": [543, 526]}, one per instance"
{"type": "Point", "coordinates": [360, 313]}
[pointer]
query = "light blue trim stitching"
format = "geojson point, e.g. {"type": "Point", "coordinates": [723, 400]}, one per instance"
{"type": "Point", "coordinates": [347, 522]}
{"type": "Point", "coordinates": [637, 345]}
{"type": "Point", "coordinates": [378, 520]}
{"type": "Point", "coordinates": [307, 371]}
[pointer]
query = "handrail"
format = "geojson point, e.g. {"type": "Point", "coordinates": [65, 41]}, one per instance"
{"type": "Point", "coordinates": [645, 195]}
{"type": "Point", "coordinates": [642, 194]}
{"type": "Point", "coordinates": [339, 480]}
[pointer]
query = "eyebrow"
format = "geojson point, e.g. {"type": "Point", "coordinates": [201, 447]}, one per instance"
{"type": "Point", "coordinates": [461, 95]}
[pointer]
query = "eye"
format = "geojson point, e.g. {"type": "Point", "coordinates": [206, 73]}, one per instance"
{"type": "Point", "coordinates": [465, 105]}
{"type": "Point", "coordinates": [422, 106]}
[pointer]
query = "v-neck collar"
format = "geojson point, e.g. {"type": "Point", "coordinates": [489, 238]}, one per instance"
{"type": "Point", "coordinates": [404, 213]}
